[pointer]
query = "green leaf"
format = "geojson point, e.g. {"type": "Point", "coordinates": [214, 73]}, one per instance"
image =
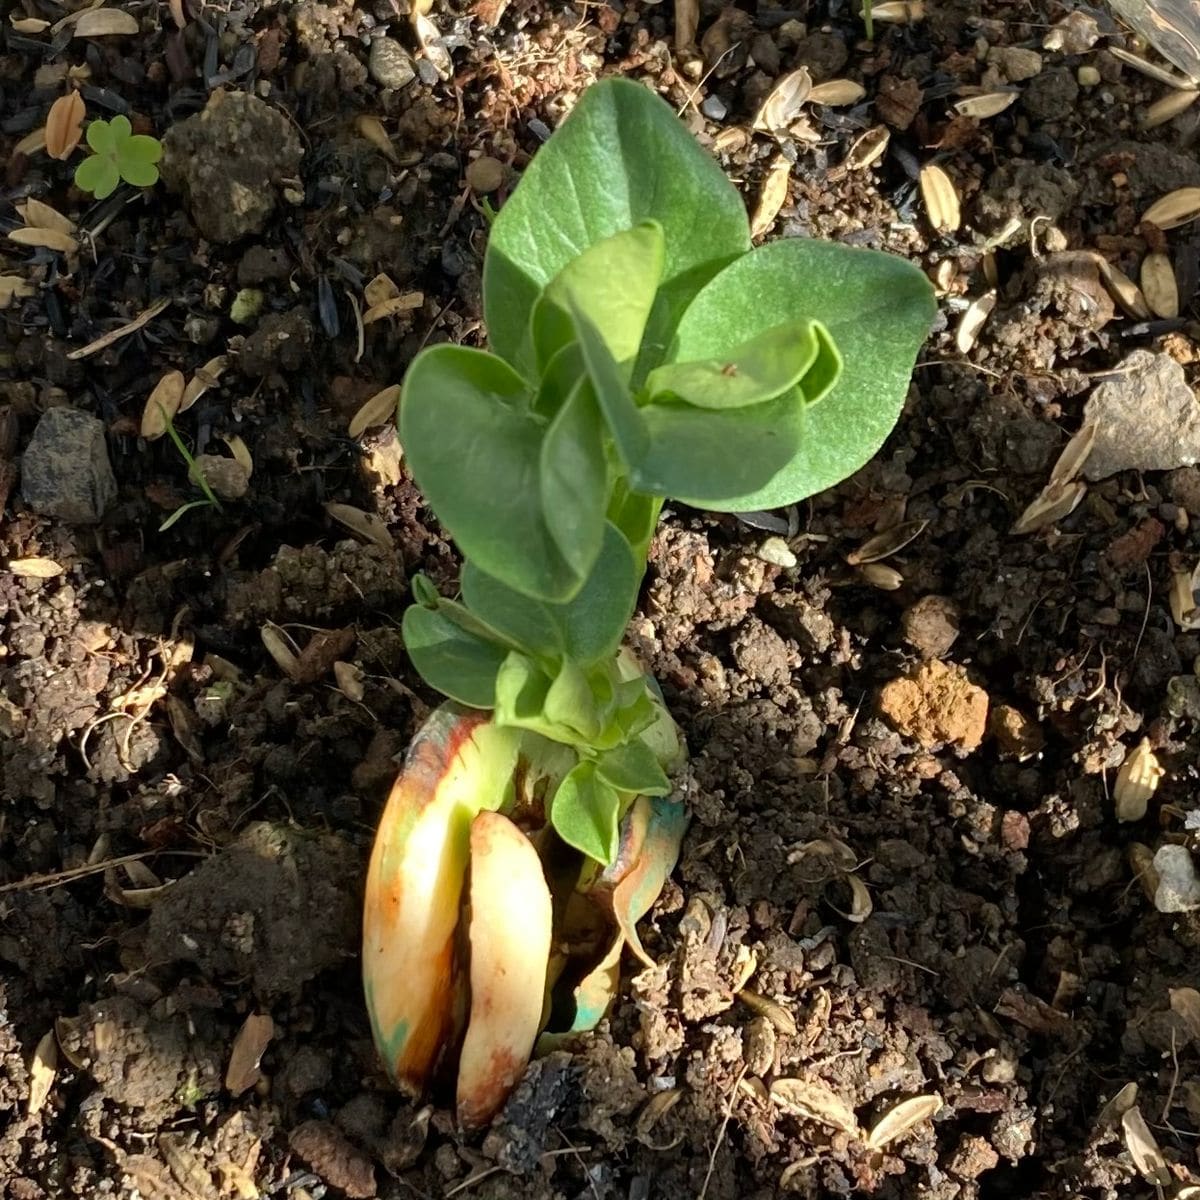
{"type": "Point", "coordinates": [98, 175]}
{"type": "Point", "coordinates": [141, 148]}
{"type": "Point", "coordinates": [585, 813]}
{"type": "Point", "coordinates": [521, 690]}
{"type": "Point", "coordinates": [571, 702]}
{"type": "Point", "coordinates": [758, 370]}
{"type": "Point", "coordinates": [559, 377]}
{"type": "Point", "coordinates": [621, 414]}
{"type": "Point", "coordinates": [613, 283]}
{"type": "Point", "coordinates": [101, 136]}
{"type": "Point", "coordinates": [633, 768]}
{"type": "Point", "coordinates": [458, 664]}
{"type": "Point", "coordinates": [574, 479]}
{"type": "Point", "coordinates": [475, 451]}
{"type": "Point", "coordinates": [636, 516]}
{"type": "Point", "coordinates": [139, 174]}
{"type": "Point", "coordinates": [877, 308]}
{"type": "Point", "coordinates": [121, 130]}
{"type": "Point", "coordinates": [620, 158]}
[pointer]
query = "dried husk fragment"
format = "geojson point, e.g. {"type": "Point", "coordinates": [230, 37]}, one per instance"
{"type": "Point", "coordinates": [1117, 1106]}
{"type": "Point", "coordinates": [205, 377]}
{"type": "Point", "coordinates": [1055, 502]}
{"type": "Point", "coordinates": [812, 1100]}
{"type": "Point", "coordinates": [1184, 609]}
{"type": "Point", "coordinates": [784, 102]}
{"type": "Point", "coordinates": [899, 12]}
{"type": "Point", "coordinates": [368, 526]}
{"type": "Point", "coordinates": [1159, 287]}
{"type": "Point", "coordinates": [1167, 109]}
{"type": "Point", "coordinates": [106, 22]}
{"type": "Point", "coordinates": [837, 92]}
{"type": "Point", "coordinates": [37, 214]}
{"type": "Point", "coordinates": [884, 545]}
{"type": "Point", "coordinates": [48, 239]}
{"type": "Point", "coordinates": [939, 195]}
{"type": "Point", "coordinates": [772, 196]}
{"type": "Point", "coordinates": [1137, 781]}
{"type": "Point", "coordinates": [987, 104]}
{"type": "Point", "coordinates": [1174, 209]}
{"type": "Point", "coordinates": [248, 1048]}
{"type": "Point", "coordinates": [380, 409]}
{"type": "Point", "coordinates": [1123, 290]}
{"type": "Point", "coordinates": [1143, 1149]}
{"type": "Point", "coordinates": [868, 148]}
{"type": "Point", "coordinates": [1185, 1003]}
{"type": "Point", "coordinates": [64, 125]}
{"type": "Point", "coordinates": [35, 568]}
{"type": "Point", "coordinates": [906, 1115]}
{"type": "Point", "coordinates": [14, 287]}
{"type": "Point", "coordinates": [972, 321]}
{"type": "Point", "coordinates": [162, 405]}
{"type": "Point", "coordinates": [42, 1071]}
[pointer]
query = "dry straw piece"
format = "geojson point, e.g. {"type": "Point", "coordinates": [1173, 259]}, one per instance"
{"type": "Point", "coordinates": [941, 199]}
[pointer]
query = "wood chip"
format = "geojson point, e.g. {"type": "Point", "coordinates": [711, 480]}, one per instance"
{"type": "Point", "coordinates": [1143, 1149]}
{"type": "Point", "coordinates": [246, 1053]}
{"type": "Point", "coordinates": [972, 321]}
{"type": "Point", "coordinates": [380, 409]}
{"type": "Point", "coordinates": [35, 568]}
{"type": "Point", "coordinates": [115, 335]}
{"type": "Point", "coordinates": [837, 92]}
{"type": "Point", "coordinates": [49, 239]}
{"type": "Point", "coordinates": [1137, 781]}
{"type": "Point", "coordinates": [161, 405]}
{"type": "Point", "coordinates": [205, 377]}
{"type": "Point", "coordinates": [64, 125]}
{"type": "Point", "coordinates": [1159, 288]}
{"type": "Point", "coordinates": [42, 1071]}
{"type": "Point", "coordinates": [784, 102]}
{"type": "Point", "coordinates": [938, 192]}
{"type": "Point", "coordinates": [987, 104]}
{"type": "Point", "coordinates": [1167, 109]}
{"type": "Point", "coordinates": [771, 196]}
{"type": "Point", "coordinates": [39, 215]}
{"type": "Point", "coordinates": [106, 22]}
{"type": "Point", "coordinates": [367, 526]}
{"type": "Point", "coordinates": [906, 1115]}
{"type": "Point", "coordinates": [814, 1101]}
{"type": "Point", "coordinates": [1174, 209]}
{"type": "Point", "coordinates": [868, 148]}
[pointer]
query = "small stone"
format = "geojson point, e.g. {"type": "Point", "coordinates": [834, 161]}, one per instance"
{"type": "Point", "coordinates": [1088, 77]}
{"type": "Point", "coordinates": [65, 470]}
{"type": "Point", "coordinates": [389, 65]}
{"type": "Point", "coordinates": [931, 625]}
{"type": "Point", "coordinates": [1015, 63]}
{"type": "Point", "coordinates": [936, 704]}
{"type": "Point", "coordinates": [1178, 888]}
{"type": "Point", "coordinates": [227, 477]}
{"type": "Point", "coordinates": [714, 108]}
{"type": "Point", "coordinates": [485, 175]}
{"type": "Point", "coordinates": [1147, 418]}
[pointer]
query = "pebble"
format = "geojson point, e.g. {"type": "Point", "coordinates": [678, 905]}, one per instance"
{"type": "Point", "coordinates": [714, 108]}
{"type": "Point", "coordinates": [485, 174]}
{"type": "Point", "coordinates": [65, 470]}
{"type": "Point", "coordinates": [389, 65]}
{"type": "Point", "coordinates": [1178, 888]}
{"type": "Point", "coordinates": [1147, 415]}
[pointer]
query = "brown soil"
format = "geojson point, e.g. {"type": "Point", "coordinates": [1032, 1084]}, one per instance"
{"type": "Point", "coordinates": [185, 822]}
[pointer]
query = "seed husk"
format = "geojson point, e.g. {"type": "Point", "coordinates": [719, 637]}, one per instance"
{"type": "Point", "coordinates": [205, 377]}
{"type": "Point", "coordinates": [1137, 781]}
{"type": "Point", "coordinates": [1074, 454]}
{"type": "Point", "coordinates": [812, 1100]}
{"type": "Point", "coordinates": [106, 22]}
{"type": "Point", "coordinates": [906, 1115]}
{"type": "Point", "coordinates": [988, 104]}
{"type": "Point", "coordinates": [37, 214]}
{"type": "Point", "coordinates": [941, 199]}
{"type": "Point", "coordinates": [1117, 1106]}
{"type": "Point", "coordinates": [837, 92]}
{"type": "Point", "coordinates": [1159, 286]}
{"type": "Point", "coordinates": [1167, 109]}
{"type": "Point", "coordinates": [899, 12]}
{"type": "Point", "coordinates": [1143, 1149]}
{"type": "Point", "coordinates": [784, 101]}
{"type": "Point", "coordinates": [64, 125]}
{"type": "Point", "coordinates": [880, 575]}
{"type": "Point", "coordinates": [1174, 209]}
{"type": "Point", "coordinates": [1153, 70]}
{"type": "Point", "coordinates": [973, 321]}
{"type": "Point", "coordinates": [884, 545]}
{"type": "Point", "coordinates": [378, 410]}
{"type": "Point", "coordinates": [1183, 599]}
{"type": "Point", "coordinates": [868, 148]}
{"type": "Point", "coordinates": [772, 196]}
{"type": "Point", "coordinates": [1123, 290]}
{"type": "Point", "coordinates": [1056, 501]}
{"type": "Point", "coordinates": [50, 239]}
{"type": "Point", "coordinates": [161, 405]}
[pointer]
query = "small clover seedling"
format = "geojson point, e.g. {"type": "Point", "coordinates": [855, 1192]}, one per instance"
{"type": "Point", "coordinates": [119, 154]}
{"type": "Point", "coordinates": [640, 349]}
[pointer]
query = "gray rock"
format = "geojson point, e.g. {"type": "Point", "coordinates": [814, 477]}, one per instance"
{"type": "Point", "coordinates": [227, 161]}
{"type": "Point", "coordinates": [714, 108]}
{"type": "Point", "coordinates": [1147, 415]}
{"type": "Point", "coordinates": [1178, 888]}
{"type": "Point", "coordinates": [389, 64]}
{"type": "Point", "coordinates": [65, 472]}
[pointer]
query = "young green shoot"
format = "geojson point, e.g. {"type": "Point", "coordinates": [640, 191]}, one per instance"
{"type": "Point", "coordinates": [117, 154]}
{"type": "Point", "coordinates": [210, 500]}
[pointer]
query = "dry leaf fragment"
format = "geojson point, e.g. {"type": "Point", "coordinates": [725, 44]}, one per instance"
{"type": "Point", "coordinates": [772, 196]}
{"type": "Point", "coordinates": [815, 1102]}
{"type": "Point", "coordinates": [380, 409]}
{"type": "Point", "coordinates": [1075, 454]}
{"type": "Point", "coordinates": [1159, 288]}
{"type": "Point", "coordinates": [1185, 1003]}
{"type": "Point", "coordinates": [42, 1070]}
{"type": "Point", "coordinates": [161, 405]}
{"type": "Point", "coordinates": [779, 1017]}
{"type": "Point", "coordinates": [248, 1048]}
{"type": "Point", "coordinates": [35, 568]}
{"type": "Point", "coordinates": [784, 102]}
{"type": "Point", "coordinates": [1167, 109]}
{"type": "Point", "coordinates": [205, 377]}
{"type": "Point", "coordinates": [1174, 209]}
{"type": "Point", "coordinates": [371, 128]}
{"type": "Point", "coordinates": [49, 239]}
{"type": "Point", "coordinates": [1137, 781]}
{"type": "Point", "coordinates": [972, 321]}
{"type": "Point", "coordinates": [1143, 1149]}
{"type": "Point", "coordinates": [941, 199]}
{"type": "Point", "coordinates": [987, 104]}
{"type": "Point", "coordinates": [1055, 502]}
{"type": "Point", "coordinates": [368, 526]}
{"type": "Point", "coordinates": [837, 92]}
{"type": "Point", "coordinates": [868, 148]}
{"type": "Point", "coordinates": [64, 125]}
{"type": "Point", "coordinates": [106, 22]}
{"type": "Point", "coordinates": [1117, 1106]}
{"type": "Point", "coordinates": [906, 1115]}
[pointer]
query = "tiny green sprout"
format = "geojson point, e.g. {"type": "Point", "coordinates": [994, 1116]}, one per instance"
{"type": "Point", "coordinates": [210, 500]}
{"type": "Point", "coordinates": [118, 154]}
